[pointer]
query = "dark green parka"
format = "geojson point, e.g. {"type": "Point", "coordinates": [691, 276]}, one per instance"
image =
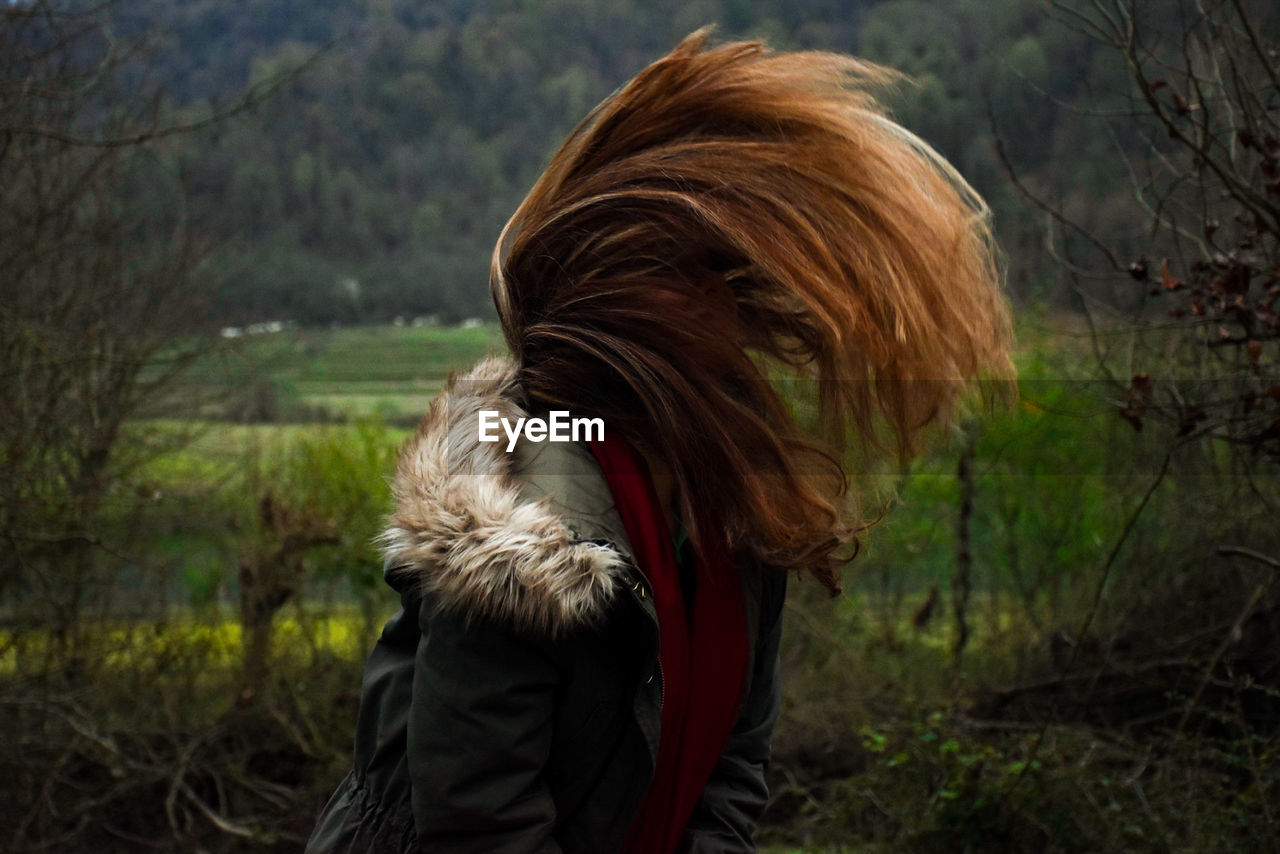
{"type": "Point", "coordinates": [513, 703]}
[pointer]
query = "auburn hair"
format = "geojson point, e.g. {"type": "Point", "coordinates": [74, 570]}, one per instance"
{"type": "Point", "coordinates": [731, 216]}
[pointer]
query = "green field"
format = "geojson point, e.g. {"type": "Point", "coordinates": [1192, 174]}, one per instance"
{"type": "Point", "coordinates": [323, 387]}
{"type": "Point", "coordinates": [388, 371]}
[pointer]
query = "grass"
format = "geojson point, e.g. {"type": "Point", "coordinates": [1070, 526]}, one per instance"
{"type": "Point", "coordinates": [215, 644]}
{"type": "Point", "coordinates": [203, 453]}
{"type": "Point", "coordinates": [364, 404]}
{"type": "Point", "coordinates": [924, 779]}
{"type": "Point", "coordinates": [382, 354]}
{"type": "Point", "coordinates": [356, 354]}
{"type": "Point", "coordinates": [354, 372]}
{"type": "Point", "coordinates": [859, 675]}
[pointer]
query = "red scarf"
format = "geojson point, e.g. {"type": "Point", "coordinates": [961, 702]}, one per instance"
{"type": "Point", "coordinates": [703, 659]}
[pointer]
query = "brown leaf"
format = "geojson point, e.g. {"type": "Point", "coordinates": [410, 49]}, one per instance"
{"type": "Point", "coordinates": [1253, 349]}
{"type": "Point", "coordinates": [1180, 104]}
{"type": "Point", "coordinates": [1170, 282]}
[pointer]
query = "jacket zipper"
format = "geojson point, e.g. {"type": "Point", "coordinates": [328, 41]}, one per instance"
{"type": "Point", "coordinates": [662, 681]}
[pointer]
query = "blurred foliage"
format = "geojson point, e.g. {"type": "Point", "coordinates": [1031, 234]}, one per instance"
{"type": "Point", "coordinates": [208, 496]}
{"type": "Point", "coordinates": [374, 185]}
{"type": "Point", "coordinates": [371, 187]}
{"type": "Point", "coordinates": [930, 783]}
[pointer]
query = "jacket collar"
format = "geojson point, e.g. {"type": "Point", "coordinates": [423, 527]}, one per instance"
{"type": "Point", "coordinates": [528, 538]}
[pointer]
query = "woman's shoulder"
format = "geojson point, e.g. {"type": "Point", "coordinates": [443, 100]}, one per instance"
{"type": "Point", "coordinates": [521, 533]}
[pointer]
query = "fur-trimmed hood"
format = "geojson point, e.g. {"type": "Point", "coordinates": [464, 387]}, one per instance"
{"type": "Point", "coordinates": [529, 538]}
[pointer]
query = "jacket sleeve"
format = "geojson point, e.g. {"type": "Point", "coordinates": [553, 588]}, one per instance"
{"type": "Point", "coordinates": [479, 736]}
{"type": "Point", "coordinates": [725, 818]}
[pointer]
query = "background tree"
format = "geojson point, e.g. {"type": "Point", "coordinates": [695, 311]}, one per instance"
{"type": "Point", "coordinates": [1180, 303]}
{"type": "Point", "coordinates": [104, 306]}
{"type": "Point", "coordinates": [96, 260]}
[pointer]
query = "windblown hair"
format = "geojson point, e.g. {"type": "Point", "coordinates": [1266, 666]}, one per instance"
{"type": "Point", "coordinates": [729, 212]}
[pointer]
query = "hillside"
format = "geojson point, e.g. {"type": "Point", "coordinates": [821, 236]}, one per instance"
{"type": "Point", "coordinates": [374, 183]}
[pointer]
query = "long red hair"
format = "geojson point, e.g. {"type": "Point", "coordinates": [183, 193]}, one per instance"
{"type": "Point", "coordinates": [730, 214]}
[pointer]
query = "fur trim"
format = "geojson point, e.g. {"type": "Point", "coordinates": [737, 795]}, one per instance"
{"type": "Point", "coordinates": [464, 533]}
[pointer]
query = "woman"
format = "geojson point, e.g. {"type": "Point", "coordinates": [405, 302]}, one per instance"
{"type": "Point", "coordinates": [586, 656]}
